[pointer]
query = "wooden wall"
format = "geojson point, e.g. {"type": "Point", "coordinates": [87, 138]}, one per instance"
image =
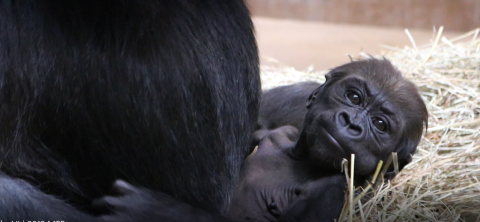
{"type": "Point", "coordinates": [454, 15]}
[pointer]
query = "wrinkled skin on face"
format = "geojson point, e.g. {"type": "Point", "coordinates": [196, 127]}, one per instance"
{"type": "Point", "coordinates": [273, 182]}
{"type": "Point", "coordinates": [366, 108]}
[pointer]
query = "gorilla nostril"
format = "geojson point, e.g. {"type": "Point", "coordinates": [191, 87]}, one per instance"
{"type": "Point", "coordinates": [352, 127]}
{"type": "Point", "coordinates": [343, 119]}
{"type": "Point", "coordinates": [354, 130]}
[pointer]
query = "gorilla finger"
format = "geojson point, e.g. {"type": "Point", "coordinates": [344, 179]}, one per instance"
{"type": "Point", "coordinates": [106, 204]}
{"type": "Point", "coordinates": [280, 140]}
{"type": "Point", "coordinates": [275, 141]}
{"type": "Point", "coordinates": [121, 188]}
{"type": "Point", "coordinates": [260, 134]}
{"type": "Point", "coordinates": [290, 132]}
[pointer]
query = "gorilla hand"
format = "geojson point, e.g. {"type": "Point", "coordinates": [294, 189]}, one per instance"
{"type": "Point", "coordinates": [322, 202]}
{"type": "Point", "coordinates": [132, 204]}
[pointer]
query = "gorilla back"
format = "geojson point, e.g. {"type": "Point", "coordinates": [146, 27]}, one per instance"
{"type": "Point", "coordinates": [160, 93]}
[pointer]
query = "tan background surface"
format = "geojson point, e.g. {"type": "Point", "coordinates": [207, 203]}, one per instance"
{"type": "Point", "coordinates": [455, 15]}
{"type": "Point", "coordinates": [324, 45]}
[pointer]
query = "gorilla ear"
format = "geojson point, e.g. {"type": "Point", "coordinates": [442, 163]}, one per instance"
{"type": "Point", "coordinates": [315, 92]}
{"type": "Point", "coordinates": [312, 97]}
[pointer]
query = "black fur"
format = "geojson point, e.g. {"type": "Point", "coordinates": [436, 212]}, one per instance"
{"type": "Point", "coordinates": [160, 93]}
{"type": "Point", "coordinates": [18, 196]}
{"type": "Point", "coordinates": [305, 130]}
{"type": "Point", "coordinates": [285, 105]}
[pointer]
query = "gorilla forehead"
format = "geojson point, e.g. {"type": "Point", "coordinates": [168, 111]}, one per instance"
{"type": "Point", "coordinates": [388, 85]}
{"type": "Point", "coordinates": [391, 89]}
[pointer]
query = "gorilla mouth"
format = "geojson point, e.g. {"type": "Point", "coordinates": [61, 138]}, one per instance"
{"type": "Point", "coordinates": [327, 140]}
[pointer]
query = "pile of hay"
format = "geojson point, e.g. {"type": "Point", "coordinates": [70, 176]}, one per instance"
{"type": "Point", "coordinates": [443, 181]}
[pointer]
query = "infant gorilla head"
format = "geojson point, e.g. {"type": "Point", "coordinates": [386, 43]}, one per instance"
{"type": "Point", "coordinates": [364, 108]}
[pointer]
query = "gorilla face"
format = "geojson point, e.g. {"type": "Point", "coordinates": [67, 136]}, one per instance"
{"type": "Point", "coordinates": [351, 118]}
{"type": "Point", "coordinates": [365, 108]}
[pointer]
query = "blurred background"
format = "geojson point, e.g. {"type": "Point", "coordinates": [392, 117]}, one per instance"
{"type": "Point", "coordinates": [319, 33]}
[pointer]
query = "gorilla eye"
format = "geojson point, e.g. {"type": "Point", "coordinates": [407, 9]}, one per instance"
{"type": "Point", "coordinates": [379, 124]}
{"type": "Point", "coordinates": [354, 98]}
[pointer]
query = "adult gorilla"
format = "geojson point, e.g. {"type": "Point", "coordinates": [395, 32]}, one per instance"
{"type": "Point", "coordinates": [160, 93]}
{"type": "Point", "coordinates": [296, 175]}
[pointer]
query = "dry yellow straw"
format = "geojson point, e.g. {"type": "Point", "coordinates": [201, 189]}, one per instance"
{"type": "Point", "coordinates": [443, 180]}
{"type": "Point", "coordinates": [350, 201]}
{"type": "Point", "coordinates": [350, 187]}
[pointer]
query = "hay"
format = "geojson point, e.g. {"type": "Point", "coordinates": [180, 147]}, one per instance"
{"type": "Point", "coordinates": [443, 180]}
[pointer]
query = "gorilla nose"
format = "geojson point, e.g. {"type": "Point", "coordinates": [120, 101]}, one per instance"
{"type": "Point", "coordinates": [351, 125]}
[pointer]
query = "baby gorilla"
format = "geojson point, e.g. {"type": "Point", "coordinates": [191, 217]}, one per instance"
{"type": "Point", "coordinates": [364, 107]}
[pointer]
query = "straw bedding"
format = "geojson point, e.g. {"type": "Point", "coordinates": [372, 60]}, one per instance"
{"type": "Point", "coordinates": [443, 181]}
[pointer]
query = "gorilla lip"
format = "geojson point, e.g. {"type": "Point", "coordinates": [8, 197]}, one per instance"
{"type": "Point", "coordinates": [328, 137]}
